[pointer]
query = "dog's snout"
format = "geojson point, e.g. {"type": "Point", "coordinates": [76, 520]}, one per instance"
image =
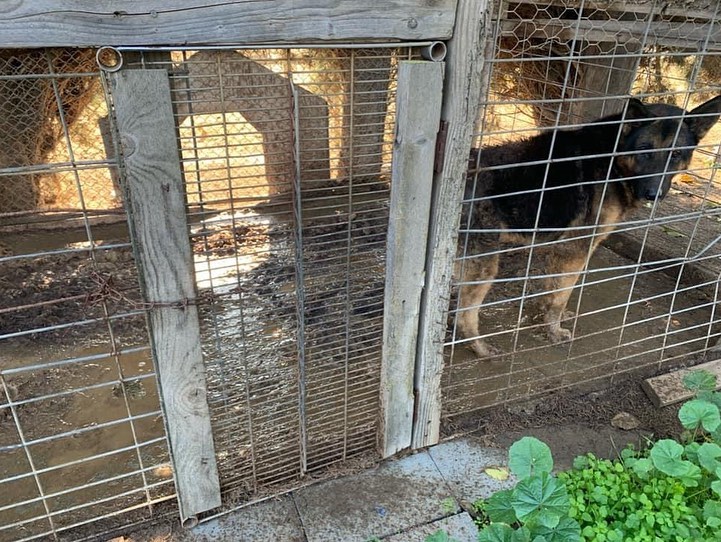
{"type": "Point", "coordinates": [651, 195]}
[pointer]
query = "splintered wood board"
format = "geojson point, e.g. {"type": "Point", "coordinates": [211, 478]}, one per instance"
{"type": "Point", "coordinates": [667, 389]}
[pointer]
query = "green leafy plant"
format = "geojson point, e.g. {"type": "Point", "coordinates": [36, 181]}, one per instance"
{"type": "Point", "coordinates": [537, 508]}
{"type": "Point", "coordinates": [671, 491]}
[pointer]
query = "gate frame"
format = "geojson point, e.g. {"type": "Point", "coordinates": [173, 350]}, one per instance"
{"type": "Point", "coordinates": [465, 82]}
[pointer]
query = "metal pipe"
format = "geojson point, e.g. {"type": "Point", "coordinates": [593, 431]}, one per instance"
{"type": "Point", "coordinates": [435, 51]}
{"type": "Point", "coordinates": [368, 45]}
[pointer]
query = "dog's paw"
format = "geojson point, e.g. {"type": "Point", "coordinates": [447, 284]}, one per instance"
{"type": "Point", "coordinates": [484, 350]}
{"type": "Point", "coordinates": [568, 315]}
{"type": "Point", "coordinates": [559, 334]}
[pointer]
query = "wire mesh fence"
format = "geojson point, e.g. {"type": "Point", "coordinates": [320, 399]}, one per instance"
{"type": "Point", "coordinates": [286, 157]}
{"type": "Point", "coordinates": [540, 203]}
{"type": "Point", "coordinates": [81, 432]}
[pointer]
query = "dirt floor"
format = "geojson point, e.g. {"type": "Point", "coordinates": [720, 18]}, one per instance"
{"type": "Point", "coordinates": [563, 420]}
{"type": "Point", "coordinates": [247, 264]}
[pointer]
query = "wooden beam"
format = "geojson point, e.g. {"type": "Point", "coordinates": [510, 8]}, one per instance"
{"type": "Point", "coordinates": [465, 81]}
{"type": "Point", "coordinates": [71, 23]}
{"type": "Point", "coordinates": [155, 204]}
{"type": "Point", "coordinates": [418, 110]}
{"type": "Point", "coordinates": [633, 34]}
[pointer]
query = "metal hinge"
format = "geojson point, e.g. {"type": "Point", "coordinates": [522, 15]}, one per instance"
{"type": "Point", "coordinates": [440, 147]}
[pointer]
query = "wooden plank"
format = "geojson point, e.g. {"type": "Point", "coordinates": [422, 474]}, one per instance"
{"type": "Point", "coordinates": [70, 23]}
{"type": "Point", "coordinates": [465, 80]}
{"type": "Point", "coordinates": [689, 9]}
{"type": "Point", "coordinates": [156, 208]}
{"type": "Point", "coordinates": [667, 389]}
{"type": "Point", "coordinates": [633, 34]}
{"type": "Point", "coordinates": [418, 110]}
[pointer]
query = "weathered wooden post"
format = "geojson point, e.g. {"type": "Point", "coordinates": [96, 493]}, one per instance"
{"type": "Point", "coordinates": [418, 110]}
{"type": "Point", "coordinates": [155, 204]}
{"type": "Point", "coordinates": [465, 81]}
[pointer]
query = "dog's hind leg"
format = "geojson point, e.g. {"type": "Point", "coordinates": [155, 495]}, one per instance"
{"type": "Point", "coordinates": [475, 282]}
{"type": "Point", "coordinates": [563, 267]}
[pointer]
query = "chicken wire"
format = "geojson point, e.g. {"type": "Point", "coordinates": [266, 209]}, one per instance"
{"type": "Point", "coordinates": [648, 298]}
{"type": "Point", "coordinates": [81, 432]}
{"type": "Point", "coordinates": [286, 155]}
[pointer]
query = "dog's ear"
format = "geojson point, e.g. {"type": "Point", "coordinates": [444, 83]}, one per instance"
{"type": "Point", "coordinates": [702, 118]}
{"type": "Point", "coordinates": [636, 110]}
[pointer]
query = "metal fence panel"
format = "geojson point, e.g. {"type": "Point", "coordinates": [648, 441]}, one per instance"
{"type": "Point", "coordinates": [286, 160]}
{"type": "Point", "coordinates": [648, 298]}
{"type": "Point", "coordinates": [81, 434]}
{"type": "Point", "coordinates": [286, 155]}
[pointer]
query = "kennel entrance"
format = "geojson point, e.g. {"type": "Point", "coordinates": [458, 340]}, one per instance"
{"type": "Point", "coordinates": [286, 162]}
{"type": "Point", "coordinates": [257, 187]}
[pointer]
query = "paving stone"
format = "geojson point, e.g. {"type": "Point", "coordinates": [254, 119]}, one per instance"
{"type": "Point", "coordinates": [463, 462]}
{"type": "Point", "coordinates": [386, 500]}
{"type": "Point", "coordinates": [275, 519]}
{"type": "Point", "coordinates": [460, 527]}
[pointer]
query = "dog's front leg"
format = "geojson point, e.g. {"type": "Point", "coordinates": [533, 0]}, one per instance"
{"type": "Point", "coordinates": [476, 276]}
{"type": "Point", "coordinates": [563, 268]}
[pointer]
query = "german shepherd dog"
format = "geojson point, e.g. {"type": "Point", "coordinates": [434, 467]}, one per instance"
{"type": "Point", "coordinates": [571, 185]}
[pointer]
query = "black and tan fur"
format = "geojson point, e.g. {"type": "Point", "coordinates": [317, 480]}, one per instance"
{"type": "Point", "coordinates": [597, 174]}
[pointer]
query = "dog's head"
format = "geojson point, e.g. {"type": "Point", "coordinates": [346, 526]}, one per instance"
{"type": "Point", "coordinates": [657, 142]}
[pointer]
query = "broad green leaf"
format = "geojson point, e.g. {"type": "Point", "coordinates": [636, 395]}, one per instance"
{"type": "Point", "coordinates": [521, 535]}
{"type": "Point", "coordinates": [541, 498]}
{"type": "Point", "coordinates": [716, 487]}
{"type": "Point", "coordinates": [691, 451]}
{"type": "Point", "coordinates": [712, 513]}
{"type": "Point", "coordinates": [567, 530]}
{"type": "Point", "coordinates": [666, 455]}
{"type": "Point", "coordinates": [691, 474]}
{"type": "Point", "coordinates": [439, 536]}
{"type": "Point", "coordinates": [499, 508]}
{"type": "Point", "coordinates": [697, 413]}
{"type": "Point", "coordinates": [497, 473]}
{"type": "Point", "coordinates": [628, 453]}
{"type": "Point", "coordinates": [708, 454]}
{"type": "Point", "coordinates": [700, 380]}
{"type": "Point", "coordinates": [529, 456]}
{"type": "Point", "coordinates": [496, 532]}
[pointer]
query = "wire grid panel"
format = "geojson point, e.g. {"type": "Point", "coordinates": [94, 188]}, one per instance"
{"type": "Point", "coordinates": [648, 297]}
{"type": "Point", "coordinates": [286, 155]}
{"type": "Point", "coordinates": [81, 432]}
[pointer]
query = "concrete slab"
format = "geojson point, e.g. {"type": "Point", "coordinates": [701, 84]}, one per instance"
{"type": "Point", "coordinates": [667, 389]}
{"type": "Point", "coordinates": [463, 462]}
{"type": "Point", "coordinates": [386, 500]}
{"type": "Point", "coordinates": [460, 527]}
{"type": "Point", "coordinates": [275, 519]}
